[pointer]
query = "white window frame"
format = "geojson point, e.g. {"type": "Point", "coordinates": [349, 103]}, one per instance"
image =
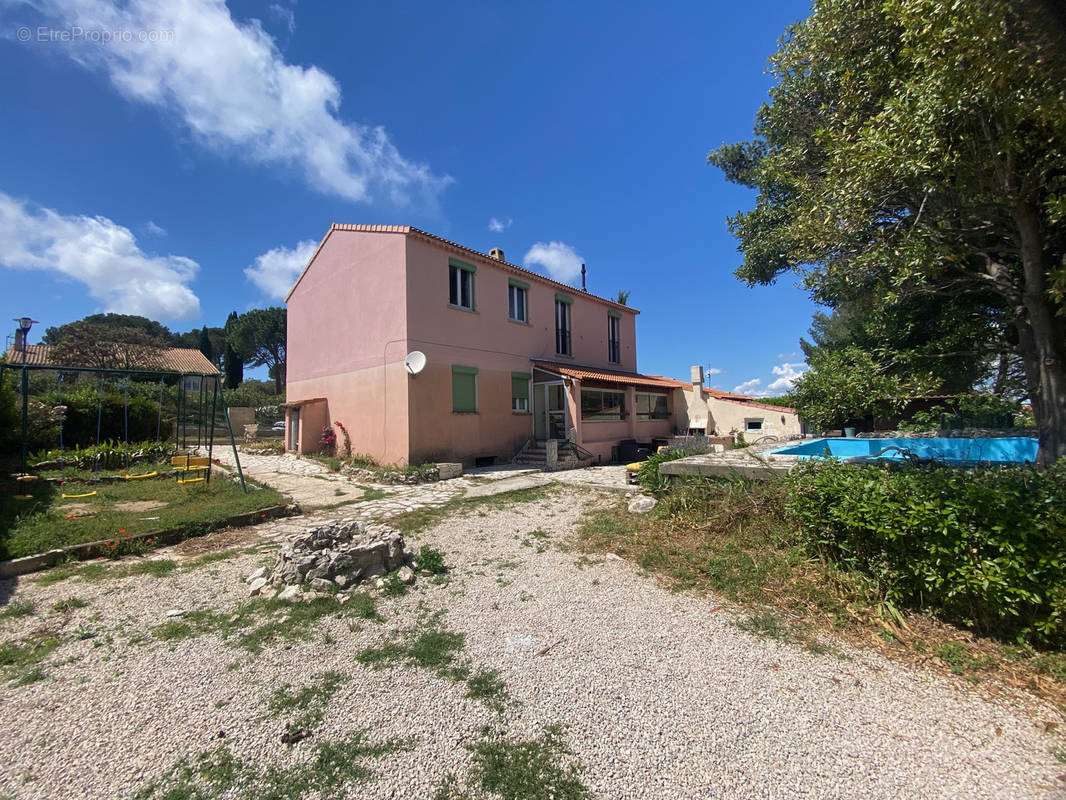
{"type": "Point", "coordinates": [514, 295]}
{"type": "Point", "coordinates": [748, 424]}
{"type": "Point", "coordinates": [520, 405]}
{"type": "Point", "coordinates": [456, 278]}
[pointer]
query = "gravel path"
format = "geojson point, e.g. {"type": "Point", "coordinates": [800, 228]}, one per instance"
{"type": "Point", "coordinates": [659, 695]}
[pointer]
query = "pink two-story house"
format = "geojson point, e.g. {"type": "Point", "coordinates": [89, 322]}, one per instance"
{"type": "Point", "coordinates": [511, 357]}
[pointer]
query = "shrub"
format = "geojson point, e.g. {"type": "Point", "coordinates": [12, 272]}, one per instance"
{"type": "Point", "coordinates": [968, 411]}
{"type": "Point", "coordinates": [111, 455]}
{"type": "Point", "coordinates": [431, 560]}
{"type": "Point", "coordinates": [986, 548]}
{"type": "Point", "coordinates": [649, 477]}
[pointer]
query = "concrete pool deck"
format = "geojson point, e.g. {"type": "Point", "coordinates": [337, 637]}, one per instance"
{"type": "Point", "coordinates": [755, 461]}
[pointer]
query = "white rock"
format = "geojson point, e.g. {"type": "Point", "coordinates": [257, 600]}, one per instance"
{"type": "Point", "coordinates": [642, 504]}
{"type": "Point", "coordinates": [268, 592]}
{"type": "Point", "coordinates": [341, 581]}
{"type": "Point", "coordinates": [290, 594]}
{"type": "Point", "coordinates": [175, 612]}
{"type": "Point", "coordinates": [259, 573]}
{"type": "Point", "coordinates": [613, 557]}
{"type": "Point", "coordinates": [322, 585]}
{"type": "Point", "coordinates": [256, 586]}
{"type": "Point", "coordinates": [406, 574]}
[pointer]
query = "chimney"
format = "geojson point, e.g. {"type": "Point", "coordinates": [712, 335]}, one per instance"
{"type": "Point", "coordinates": [19, 338]}
{"type": "Point", "coordinates": [583, 278]}
{"type": "Point", "coordinates": [497, 253]}
{"type": "Point", "coordinates": [696, 376]}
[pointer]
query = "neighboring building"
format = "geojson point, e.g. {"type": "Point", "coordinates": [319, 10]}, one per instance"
{"type": "Point", "coordinates": [188, 361]}
{"type": "Point", "coordinates": [512, 357]}
{"type": "Point", "coordinates": [712, 411]}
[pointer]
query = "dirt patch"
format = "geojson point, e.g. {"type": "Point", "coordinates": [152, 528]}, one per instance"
{"type": "Point", "coordinates": [220, 540]}
{"type": "Point", "coordinates": [77, 509]}
{"type": "Point", "coordinates": [139, 505]}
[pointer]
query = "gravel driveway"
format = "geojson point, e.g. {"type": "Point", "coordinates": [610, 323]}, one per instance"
{"type": "Point", "coordinates": [658, 695]}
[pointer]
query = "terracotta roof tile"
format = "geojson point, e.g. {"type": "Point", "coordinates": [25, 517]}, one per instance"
{"type": "Point", "coordinates": [467, 251]}
{"type": "Point", "coordinates": [582, 373]}
{"type": "Point", "coordinates": [169, 359]}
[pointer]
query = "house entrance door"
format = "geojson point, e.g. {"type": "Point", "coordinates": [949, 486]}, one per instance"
{"type": "Point", "coordinates": [549, 411]}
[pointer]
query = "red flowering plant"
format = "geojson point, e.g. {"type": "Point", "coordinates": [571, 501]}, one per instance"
{"type": "Point", "coordinates": [347, 439]}
{"type": "Point", "coordinates": [328, 440]}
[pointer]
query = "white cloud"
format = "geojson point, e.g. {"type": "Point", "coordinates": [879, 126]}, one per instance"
{"type": "Point", "coordinates": [500, 225]}
{"type": "Point", "coordinates": [275, 271]}
{"type": "Point", "coordinates": [155, 230]}
{"type": "Point", "coordinates": [712, 371]}
{"type": "Point", "coordinates": [787, 374]}
{"type": "Point", "coordinates": [286, 15]}
{"type": "Point", "coordinates": [749, 387]}
{"type": "Point", "coordinates": [100, 254]}
{"type": "Point", "coordinates": [559, 260]}
{"type": "Point", "coordinates": [229, 84]}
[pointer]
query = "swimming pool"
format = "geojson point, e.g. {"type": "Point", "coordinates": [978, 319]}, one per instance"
{"type": "Point", "coordinates": [1013, 450]}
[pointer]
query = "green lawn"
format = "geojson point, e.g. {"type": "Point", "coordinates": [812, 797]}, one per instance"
{"type": "Point", "coordinates": [49, 521]}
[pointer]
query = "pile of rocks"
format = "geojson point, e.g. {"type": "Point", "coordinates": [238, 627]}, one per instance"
{"type": "Point", "coordinates": [398, 477]}
{"type": "Point", "coordinates": [333, 556]}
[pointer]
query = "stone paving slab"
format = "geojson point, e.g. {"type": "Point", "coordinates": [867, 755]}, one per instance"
{"type": "Point", "coordinates": [749, 462]}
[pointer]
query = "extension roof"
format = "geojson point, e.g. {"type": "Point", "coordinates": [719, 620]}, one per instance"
{"type": "Point", "coordinates": [582, 373]}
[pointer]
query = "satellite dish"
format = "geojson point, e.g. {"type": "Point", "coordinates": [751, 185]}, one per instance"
{"type": "Point", "coordinates": [415, 362]}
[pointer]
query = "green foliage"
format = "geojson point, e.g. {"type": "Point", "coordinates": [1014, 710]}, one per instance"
{"type": "Point", "coordinates": [915, 149]}
{"type": "Point", "coordinates": [392, 586]}
{"type": "Point", "coordinates": [430, 560]}
{"type": "Point", "coordinates": [968, 411]}
{"type": "Point", "coordinates": [258, 337]}
{"type": "Point", "coordinates": [108, 455]}
{"type": "Point", "coordinates": [305, 707]}
{"type": "Point", "coordinates": [528, 770]}
{"type": "Point", "coordinates": [649, 477]}
{"type": "Point", "coordinates": [844, 385]}
{"type": "Point", "coordinates": [986, 548]}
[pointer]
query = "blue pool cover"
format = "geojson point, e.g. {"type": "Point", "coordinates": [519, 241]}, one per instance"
{"type": "Point", "coordinates": [1016, 450]}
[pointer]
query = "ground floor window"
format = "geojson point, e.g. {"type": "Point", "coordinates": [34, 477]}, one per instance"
{"type": "Point", "coordinates": [464, 390]}
{"type": "Point", "coordinates": [753, 424]}
{"type": "Point", "coordinates": [601, 405]}
{"type": "Point", "coordinates": [520, 392]}
{"type": "Point", "coordinates": [652, 406]}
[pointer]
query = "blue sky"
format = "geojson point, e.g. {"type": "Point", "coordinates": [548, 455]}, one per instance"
{"type": "Point", "coordinates": [178, 160]}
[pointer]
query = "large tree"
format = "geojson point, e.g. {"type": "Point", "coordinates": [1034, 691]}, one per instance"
{"type": "Point", "coordinates": [918, 147]}
{"type": "Point", "coordinates": [232, 363]}
{"type": "Point", "coordinates": [259, 338]}
{"type": "Point", "coordinates": [99, 344]}
{"type": "Point", "coordinates": [150, 329]}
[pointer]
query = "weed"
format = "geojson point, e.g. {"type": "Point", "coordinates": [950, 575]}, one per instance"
{"type": "Point", "coordinates": [527, 770]}
{"type": "Point", "coordinates": [310, 701]}
{"type": "Point", "coordinates": [218, 772]}
{"type": "Point", "coordinates": [433, 647]}
{"type": "Point", "coordinates": [430, 560]}
{"type": "Point", "coordinates": [260, 621]}
{"type": "Point", "coordinates": [70, 604]}
{"type": "Point", "coordinates": [20, 662]}
{"type": "Point", "coordinates": [424, 518]}
{"type": "Point", "coordinates": [392, 586]}
{"type": "Point", "coordinates": [959, 658]}
{"type": "Point", "coordinates": [210, 558]}
{"type": "Point", "coordinates": [17, 609]}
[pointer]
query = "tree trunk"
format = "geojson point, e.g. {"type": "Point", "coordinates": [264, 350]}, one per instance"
{"type": "Point", "coordinates": [1041, 340]}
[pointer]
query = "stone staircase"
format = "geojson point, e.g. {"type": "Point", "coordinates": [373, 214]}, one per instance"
{"type": "Point", "coordinates": [534, 454]}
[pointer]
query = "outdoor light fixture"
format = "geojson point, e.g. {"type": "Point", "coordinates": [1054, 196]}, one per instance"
{"type": "Point", "coordinates": [25, 323]}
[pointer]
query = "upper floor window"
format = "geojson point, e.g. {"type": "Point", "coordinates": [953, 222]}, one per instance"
{"type": "Point", "coordinates": [562, 325]}
{"type": "Point", "coordinates": [461, 284]}
{"type": "Point", "coordinates": [517, 300]}
{"type": "Point", "coordinates": [614, 336]}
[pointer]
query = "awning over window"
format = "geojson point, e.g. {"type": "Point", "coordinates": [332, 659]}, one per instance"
{"type": "Point", "coordinates": [609, 376]}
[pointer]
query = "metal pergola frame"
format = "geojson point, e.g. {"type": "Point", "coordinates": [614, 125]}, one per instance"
{"type": "Point", "coordinates": [218, 396]}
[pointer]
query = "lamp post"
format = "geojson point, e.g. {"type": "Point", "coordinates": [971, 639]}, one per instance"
{"type": "Point", "coordinates": [25, 323]}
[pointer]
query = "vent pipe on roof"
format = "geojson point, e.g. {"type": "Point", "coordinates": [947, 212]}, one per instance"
{"type": "Point", "coordinates": [496, 253]}
{"type": "Point", "coordinates": [583, 278]}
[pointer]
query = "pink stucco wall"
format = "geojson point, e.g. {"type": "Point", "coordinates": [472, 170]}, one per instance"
{"type": "Point", "coordinates": [347, 339]}
{"type": "Point", "coordinates": [371, 297]}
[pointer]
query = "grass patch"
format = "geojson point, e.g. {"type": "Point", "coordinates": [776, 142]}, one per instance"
{"type": "Point", "coordinates": [95, 571]}
{"type": "Point", "coordinates": [534, 769]}
{"type": "Point", "coordinates": [17, 609]}
{"type": "Point", "coordinates": [70, 604]}
{"type": "Point", "coordinates": [261, 621]}
{"type": "Point", "coordinates": [424, 518]}
{"type": "Point", "coordinates": [306, 706]}
{"type": "Point", "coordinates": [207, 559]}
{"type": "Point", "coordinates": [20, 661]}
{"type": "Point", "coordinates": [429, 645]}
{"type": "Point", "coordinates": [42, 524]}
{"type": "Point", "coordinates": [218, 773]}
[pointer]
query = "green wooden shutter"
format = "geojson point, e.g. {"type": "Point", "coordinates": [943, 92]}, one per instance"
{"type": "Point", "coordinates": [520, 385]}
{"type": "Point", "coordinates": [464, 389]}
